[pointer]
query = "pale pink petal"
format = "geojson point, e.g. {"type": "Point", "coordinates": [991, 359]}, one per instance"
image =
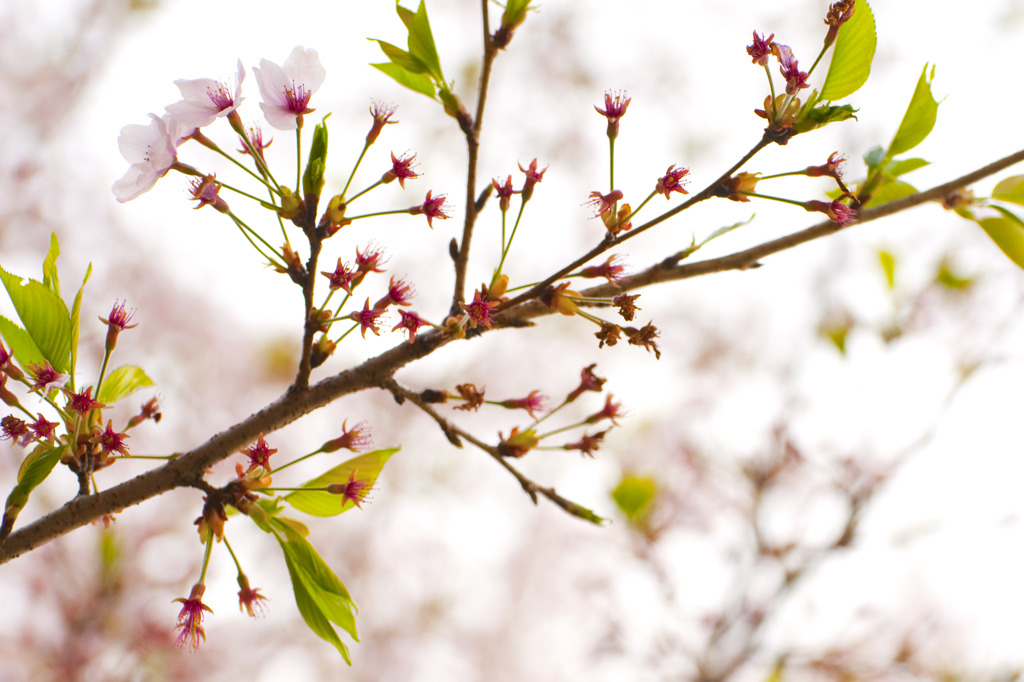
{"type": "Point", "coordinates": [286, 91]}
{"type": "Point", "coordinates": [151, 150]}
{"type": "Point", "coordinates": [206, 99]}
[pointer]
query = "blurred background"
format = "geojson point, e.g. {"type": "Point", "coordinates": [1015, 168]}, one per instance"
{"type": "Point", "coordinates": [835, 460]}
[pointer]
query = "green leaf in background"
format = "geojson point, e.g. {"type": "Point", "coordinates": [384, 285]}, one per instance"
{"type": "Point", "coordinates": [322, 503]}
{"type": "Point", "coordinates": [44, 316]}
{"type": "Point", "coordinates": [1010, 189]}
{"type": "Point", "coordinates": [949, 278]}
{"type": "Point", "coordinates": [417, 82]}
{"type": "Point", "coordinates": [874, 157]}
{"type": "Point", "coordinates": [919, 120]}
{"type": "Point", "coordinates": [121, 382]}
{"type": "Point", "coordinates": [851, 59]}
{"type": "Point", "coordinates": [1008, 234]}
{"type": "Point", "coordinates": [321, 597]}
{"type": "Point", "coordinates": [633, 495]}
{"type": "Point", "coordinates": [888, 263]}
{"type": "Point", "coordinates": [50, 279]}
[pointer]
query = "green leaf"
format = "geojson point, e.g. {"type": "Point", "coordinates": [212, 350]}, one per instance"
{"type": "Point", "coordinates": [122, 382]}
{"type": "Point", "coordinates": [321, 597]}
{"type": "Point", "coordinates": [418, 82]}
{"type": "Point", "coordinates": [311, 611]}
{"type": "Point", "coordinates": [33, 471]}
{"type": "Point", "coordinates": [874, 157]}
{"type": "Point", "coordinates": [313, 178]}
{"type": "Point", "coordinates": [37, 466]}
{"type": "Point", "coordinates": [76, 309]}
{"type": "Point", "coordinates": [44, 316]}
{"type": "Point", "coordinates": [823, 115]}
{"type": "Point", "coordinates": [421, 43]}
{"type": "Point", "coordinates": [1008, 234]}
{"type": "Point", "coordinates": [903, 166]}
{"type": "Point", "coordinates": [322, 503]}
{"type": "Point", "coordinates": [890, 191]}
{"type": "Point", "coordinates": [851, 59]}
{"type": "Point", "coordinates": [919, 120]}
{"type": "Point", "coordinates": [888, 263]}
{"type": "Point", "coordinates": [50, 279]}
{"type": "Point", "coordinates": [950, 279]}
{"type": "Point", "coordinates": [401, 58]}
{"type": "Point", "coordinates": [22, 346]}
{"type": "Point", "coordinates": [634, 495]}
{"type": "Point", "coordinates": [1010, 189]}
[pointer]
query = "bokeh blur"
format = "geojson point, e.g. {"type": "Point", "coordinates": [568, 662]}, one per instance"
{"type": "Point", "coordinates": [836, 459]}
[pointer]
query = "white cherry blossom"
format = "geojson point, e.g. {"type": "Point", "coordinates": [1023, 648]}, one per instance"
{"type": "Point", "coordinates": [206, 99]}
{"type": "Point", "coordinates": [151, 150]}
{"type": "Point", "coordinates": [286, 90]}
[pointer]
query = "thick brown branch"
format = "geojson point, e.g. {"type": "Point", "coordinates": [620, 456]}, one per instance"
{"type": "Point", "coordinates": [188, 468]}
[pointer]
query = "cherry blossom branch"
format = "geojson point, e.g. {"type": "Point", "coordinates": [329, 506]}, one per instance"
{"type": "Point", "coordinates": [668, 270]}
{"type": "Point", "coordinates": [187, 469]}
{"type": "Point", "coordinates": [455, 435]}
{"type": "Point", "coordinates": [611, 241]}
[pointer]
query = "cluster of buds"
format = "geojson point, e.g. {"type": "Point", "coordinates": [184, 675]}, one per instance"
{"type": "Point", "coordinates": [568, 302]}
{"type": "Point", "coordinates": [346, 278]}
{"type": "Point", "coordinates": [242, 493]}
{"type": "Point", "coordinates": [742, 186]}
{"type": "Point", "coordinates": [78, 438]}
{"type": "Point", "coordinates": [783, 110]}
{"type": "Point", "coordinates": [522, 440]}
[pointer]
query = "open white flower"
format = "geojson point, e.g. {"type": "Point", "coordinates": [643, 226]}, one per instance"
{"type": "Point", "coordinates": [286, 90]}
{"type": "Point", "coordinates": [152, 150]}
{"type": "Point", "coordinates": [206, 99]}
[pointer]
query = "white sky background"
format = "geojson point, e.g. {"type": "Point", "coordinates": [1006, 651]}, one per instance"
{"type": "Point", "coordinates": [693, 89]}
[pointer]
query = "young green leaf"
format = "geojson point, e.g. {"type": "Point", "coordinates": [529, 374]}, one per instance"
{"type": "Point", "coordinates": [919, 119]}
{"type": "Point", "coordinates": [421, 43]}
{"type": "Point", "coordinates": [401, 58]}
{"type": "Point", "coordinates": [22, 346]}
{"type": "Point", "coordinates": [903, 166]}
{"type": "Point", "coordinates": [311, 612]}
{"type": "Point", "coordinates": [851, 59]}
{"type": "Point", "coordinates": [76, 309]}
{"type": "Point", "coordinates": [890, 190]}
{"type": "Point", "coordinates": [1008, 234]}
{"type": "Point", "coordinates": [33, 471]}
{"type": "Point", "coordinates": [44, 316]}
{"type": "Point", "coordinates": [321, 597]}
{"type": "Point", "coordinates": [50, 279]}
{"type": "Point", "coordinates": [313, 178]}
{"type": "Point", "coordinates": [122, 382]}
{"type": "Point", "coordinates": [1010, 189]}
{"type": "Point", "coordinates": [365, 468]}
{"type": "Point", "coordinates": [417, 82]}
{"type": "Point", "coordinates": [634, 495]}
{"type": "Point", "coordinates": [888, 263]}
